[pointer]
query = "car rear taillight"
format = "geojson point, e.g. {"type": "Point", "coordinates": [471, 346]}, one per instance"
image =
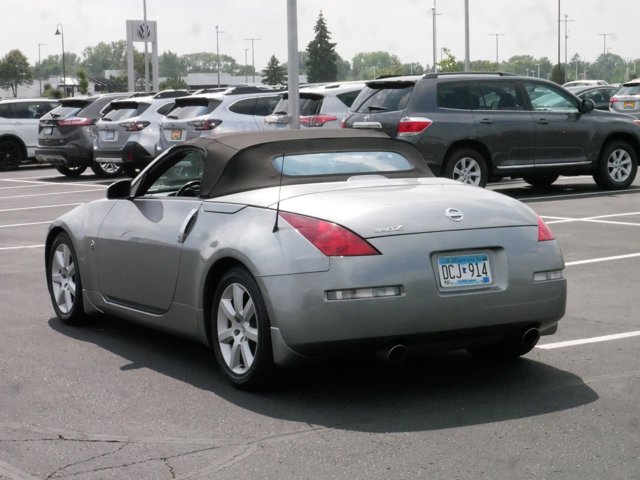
{"type": "Point", "coordinates": [316, 120]}
{"type": "Point", "coordinates": [614, 100]}
{"type": "Point", "coordinates": [331, 239]}
{"type": "Point", "coordinates": [204, 125]}
{"type": "Point", "coordinates": [412, 126]}
{"type": "Point", "coordinates": [134, 126]}
{"type": "Point", "coordinates": [544, 232]}
{"type": "Point", "coordinates": [76, 122]}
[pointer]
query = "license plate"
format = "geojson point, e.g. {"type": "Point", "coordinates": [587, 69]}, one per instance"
{"type": "Point", "coordinates": [176, 134]}
{"type": "Point", "coordinates": [47, 131]}
{"type": "Point", "coordinates": [464, 270]}
{"type": "Point", "coordinates": [110, 135]}
{"type": "Point", "coordinates": [629, 105]}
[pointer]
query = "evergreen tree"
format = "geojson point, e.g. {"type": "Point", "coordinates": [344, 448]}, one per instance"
{"type": "Point", "coordinates": [274, 74]}
{"type": "Point", "coordinates": [321, 61]}
{"type": "Point", "coordinates": [83, 83]}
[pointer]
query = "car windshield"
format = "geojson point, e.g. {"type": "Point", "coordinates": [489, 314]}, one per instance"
{"type": "Point", "coordinates": [341, 163]}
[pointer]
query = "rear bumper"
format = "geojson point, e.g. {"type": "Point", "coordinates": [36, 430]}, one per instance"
{"type": "Point", "coordinates": [68, 156]}
{"type": "Point", "coordinates": [132, 154]}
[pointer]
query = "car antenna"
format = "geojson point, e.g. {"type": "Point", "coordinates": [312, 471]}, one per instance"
{"type": "Point", "coordinates": [275, 225]}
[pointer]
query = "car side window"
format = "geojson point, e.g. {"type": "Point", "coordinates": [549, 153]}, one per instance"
{"type": "Point", "coordinates": [266, 105]}
{"type": "Point", "coordinates": [244, 107]}
{"type": "Point", "coordinates": [181, 176]}
{"type": "Point", "coordinates": [163, 110]}
{"type": "Point", "coordinates": [454, 95]}
{"type": "Point", "coordinates": [545, 98]}
{"type": "Point", "coordinates": [493, 95]}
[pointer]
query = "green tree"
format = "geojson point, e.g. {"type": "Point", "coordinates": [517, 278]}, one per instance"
{"type": "Point", "coordinates": [274, 74]}
{"type": "Point", "coordinates": [448, 63]}
{"type": "Point", "coordinates": [412, 69]}
{"type": "Point", "coordinates": [321, 62]}
{"type": "Point", "coordinates": [175, 83]}
{"type": "Point", "coordinates": [14, 71]}
{"type": "Point", "coordinates": [104, 56]}
{"type": "Point", "coordinates": [367, 65]}
{"type": "Point", "coordinates": [558, 74]}
{"type": "Point", "coordinates": [171, 65]}
{"type": "Point", "coordinates": [343, 68]}
{"type": "Point", "coordinates": [83, 83]}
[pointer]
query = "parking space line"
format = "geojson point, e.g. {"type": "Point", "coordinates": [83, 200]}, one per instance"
{"type": "Point", "coordinates": [584, 341]}
{"type": "Point", "coordinates": [47, 194]}
{"type": "Point", "coordinates": [24, 186]}
{"type": "Point", "coordinates": [24, 224]}
{"type": "Point", "coordinates": [40, 182]}
{"type": "Point", "coordinates": [9, 471]}
{"type": "Point", "coordinates": [585, 194]}
{"type": "Point", "coordinates": [594, 219]}
{"type": "Point", "coordinates": [40, 206]}
{"type": "Point", "coordinates": [21, 247]}
{"type": "Point", "coordinates": [602, 259]}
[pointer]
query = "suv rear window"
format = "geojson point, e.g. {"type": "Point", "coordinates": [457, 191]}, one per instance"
{"type": "Point", "coordinates": [310, 104]}
{"type": "Point", "coordinates": [383, 98]}
{"type": "Point", "coordinates": [193, 107]}
{"type": "Point", "coordinates": [629, 90]}
{"type": "Point", "coordinates": [122, 110]}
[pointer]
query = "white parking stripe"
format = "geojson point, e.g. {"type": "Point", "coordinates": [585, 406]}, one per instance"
{"type": "Point", "coordinates": [24, 186]}
{"type": "Point", "coordinates": [47, 194]}
{"type": "Point", "coordinates": [40, 182]}
{"type": "Point", "coordinates": [21, 247]}
{"type": "Point", "coordinates": [604, 338]}
{"type": "Point", "coordinates": [24, 224]}
{"type": "Point", "coordinates": [591, 194]}
{"type": "Point", "coordinates": [602, 259]}
{"type": "Point", "coordinates": [40, 206]}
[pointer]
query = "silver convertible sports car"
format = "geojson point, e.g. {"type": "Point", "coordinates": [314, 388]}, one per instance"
{"type": "Point", "coordinates": [276, 247]}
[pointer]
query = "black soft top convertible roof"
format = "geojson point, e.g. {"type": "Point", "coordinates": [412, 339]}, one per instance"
{"type": "Point", "coordinates": [238, 162]}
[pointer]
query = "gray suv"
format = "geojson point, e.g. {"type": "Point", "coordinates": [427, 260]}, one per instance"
{"type": "Point", "coordinates": [473, 126]}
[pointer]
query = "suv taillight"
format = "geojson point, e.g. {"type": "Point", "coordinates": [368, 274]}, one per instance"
{"type": "Point", "coordinates": [316, 120]}
{"type": "Point", "coordinates": [134, 126]}
{"type": "Point", "coordinates": [412, 126]}
{"type": "Point", "coordinates": [76, 122]}
{"type": "Point", "coordinates": [204, 125]}
{"type": "Point", "coordinates": [614, 100]}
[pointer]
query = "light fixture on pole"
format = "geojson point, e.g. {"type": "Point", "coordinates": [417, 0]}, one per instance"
{"type": "Point", "coordinates": [497, 35]}
{"type": "Point", "coordinates": [253, 59]}
{"type": "Point", "coordinates": [218, 52]}
{"type": "Point", "coordinates": [40, 67]}
{"type": "Point", "coordinates": [246, 73]}
{"type": "Point", "coordinates": [60, 31]}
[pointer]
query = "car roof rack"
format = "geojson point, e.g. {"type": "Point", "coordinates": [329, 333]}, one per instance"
{"type": "Point", "coordinates": [443, 74]}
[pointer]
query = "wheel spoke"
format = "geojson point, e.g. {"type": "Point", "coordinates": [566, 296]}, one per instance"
{"type": "Point", "coordinates": [66, 255]}
{"type": "Point", "coordinates": [227, 308]}
{"type": "Point", "coordinates": [236, 356]}
{"type": "Point", "coordinates": [56, 278]}
{"type": "Point", "coordinates": [248, 311]}
{"type": "Point", "coordinates": [68, 301]}
{"type": "Point", "coordinates": [247, 355]}
{"type": "Point", "coordinates": [238, 297]}
{"type": "Point", "coordinates": [58, 258]}
{"type": "Point", "coordinates": [251, 333]}
{"type": "Point", "coordinates": [226, 335]}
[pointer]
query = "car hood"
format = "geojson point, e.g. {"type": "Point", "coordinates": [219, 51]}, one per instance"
{"type": "Point", "coordinates": [395, 207]}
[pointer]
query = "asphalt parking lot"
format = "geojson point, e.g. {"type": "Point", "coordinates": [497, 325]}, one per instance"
{"type": "Point", "coordinates": [115, 400]}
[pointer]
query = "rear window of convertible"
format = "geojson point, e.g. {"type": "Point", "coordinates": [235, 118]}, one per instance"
{"type": "Point", "coordinates": [341, 163]}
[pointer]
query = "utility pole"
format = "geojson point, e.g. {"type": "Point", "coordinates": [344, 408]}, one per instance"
{"type": "Point", "coordinates": [497, 35]}
{"type": "Point", "coordinates": [40, 66]}
{"type": "Point", "coordinates": [253, 58]}
{"type": "Point", "coordinates": [538, 65]}
{"type": "Point", "coordinates": [246, 73]}
{"type": "Point", "coordinates": [566, 37]}
{"type": "Point", "coordinates": [435, 41]}
{"type": "Point", "coordinates": [60, 31]}
{"type": "Point", "coordinates": [146, 49]}
{"type": "Point", "coordinates": [559, 33]}
{"type": "Point", "coordinates": [467, 60]}
{"type": "Point", "coordinates": [218, 53]}
{"type": "Point", "coordinates": [293, 65]}
{"type": "Point", "coordinates": [604, 37]}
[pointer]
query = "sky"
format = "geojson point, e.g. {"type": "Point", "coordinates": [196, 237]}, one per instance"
{"type": "Point", "coordinates": [401, 27]}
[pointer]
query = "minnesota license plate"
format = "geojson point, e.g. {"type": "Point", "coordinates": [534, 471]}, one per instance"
{"type": "Point", "coordinates": [464, 270]}
{"type": "Point", "coordinates": [176, 134]}
{"type": "Point", "coordinates": [629, 105]}
{"type": "Point", "coordinates": [110, 135]}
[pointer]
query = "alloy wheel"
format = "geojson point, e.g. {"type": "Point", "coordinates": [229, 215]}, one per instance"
{"type": "Point", "coordinates": [467, 170]}
{"type": "Point", "coordinates": [619, 165]}
{"type": "Point", "coordinates": [63, 278]}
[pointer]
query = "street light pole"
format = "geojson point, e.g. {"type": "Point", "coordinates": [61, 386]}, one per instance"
{"type": "Point", "coordinates": [538, 65]}
{"type": "Point", "coordinates": [566, 38]}
{"type": "Point", "coordinates": [60, 31]}
{"type": "Point", "coordinates": [40, 66]}
{"type": "Point", "coordinates": [246, 74]}
{"type": "Point", "coordinates": [497, 35]}
{"type": "Point", "coordinates": [253, 59]}
{"type": "Point", "coordinates": [218, 52]}
{"type": "Point", "coordinates": [435, 41]}
{"type": "Point", "coordinates": [146, 49]}
{"type": "Point", "coordinates": [467, 61]}
{"type": "Point", "coordinates": [604, 37]}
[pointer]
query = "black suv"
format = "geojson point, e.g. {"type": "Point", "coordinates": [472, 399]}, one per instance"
{"type": "Point", "coordinates": [476, 126]}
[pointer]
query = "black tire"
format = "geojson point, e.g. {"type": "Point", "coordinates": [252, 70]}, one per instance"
{"type": "Point", "coordinates": [253, 368]}
{"type": "Point", "coordinates": [467, 166]}
{"type": "Point", "coordinates": [107, 170]}
{"type": "Point", "coordinates": [64, 282]}
{"type": "Point", "coordinates": [70, 171]}
{"type": "Point", "coordinates": [617, 166]}
{"type": "Point", "coordinates": [510, 347]}
{"type": "Point", "coordinates": [11, 155]}
{"type": "Point", "coordinates": [540, 181]}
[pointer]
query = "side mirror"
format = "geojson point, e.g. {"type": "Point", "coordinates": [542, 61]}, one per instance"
{"type": "Point", "coordinates": [119, 190]}
{"type": "Point", "coordinates": [587, 105]}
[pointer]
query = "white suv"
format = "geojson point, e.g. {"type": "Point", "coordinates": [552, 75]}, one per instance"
{"type": "Point", "coordinates": [19, 129]}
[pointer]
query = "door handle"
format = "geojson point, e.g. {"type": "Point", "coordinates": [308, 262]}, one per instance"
{"type": "Point", "coordinates": [543, 121]}
{"type": "Point", "coordinates": [187, 224]}
{"type": "Point", "coordinates": [486, 121]}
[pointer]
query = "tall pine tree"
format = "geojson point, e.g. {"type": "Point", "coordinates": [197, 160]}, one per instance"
{"type": "Point", "coordinates": [274, 74]}
{"type": "Point", "coordinates": [321, 60]}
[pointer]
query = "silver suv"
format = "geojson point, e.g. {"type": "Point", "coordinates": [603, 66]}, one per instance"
{"type": "Point", "coordinates": [239, 109]}
{"type": "Point", "coordinates": [19, 129]}
{"type": "Point", "coordinates": [320, 106]}
{"type": "Point", "coordinates": [129, 130]}
{"type": "Point", "coordinates": [627, 99]}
